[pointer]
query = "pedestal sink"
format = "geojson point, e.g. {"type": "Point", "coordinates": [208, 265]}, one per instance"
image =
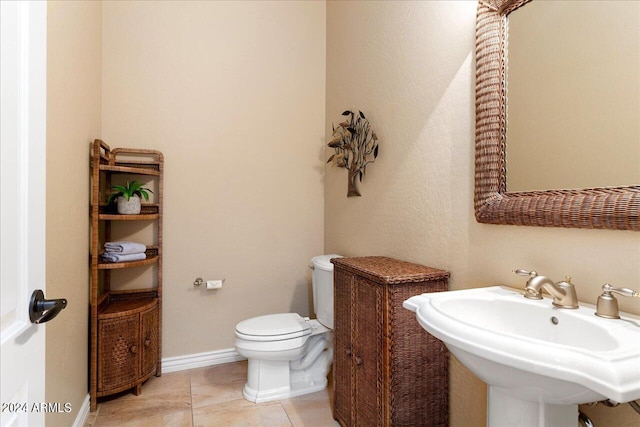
{"type": "Point", "coordinates": [539, 361]}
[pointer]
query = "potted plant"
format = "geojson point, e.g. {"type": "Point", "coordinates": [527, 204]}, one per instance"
{"type": "Point", "coordinates": [128, 197]}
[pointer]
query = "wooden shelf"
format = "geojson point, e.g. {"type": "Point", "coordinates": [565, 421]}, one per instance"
{"type": "Point", "coordinates": [102, 298]}
{"type": "Point", "coordinates": [152, 258]}
{"type": "Point", "coordinates": [148, 211]}
{"type": "Point", "coordinates": [120, 217]}
{"type": "Point", "coordinates": [126, 324]}
{"type": "Point", "coordinates": [124, 307]}
{"type": "Point", "coordinates": [139, 169]}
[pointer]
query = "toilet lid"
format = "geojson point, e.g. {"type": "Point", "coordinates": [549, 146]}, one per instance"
{"type": "Point", "coordinates": [273, 326]}
{"type": "Point", "coordinates": [323, 262]}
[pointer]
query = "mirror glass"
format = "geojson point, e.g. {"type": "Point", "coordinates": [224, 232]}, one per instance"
{"type": "Point", "coordinates": [573, 88]}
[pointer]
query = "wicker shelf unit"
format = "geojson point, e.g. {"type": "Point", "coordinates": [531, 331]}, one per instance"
{"type": "Point", "coordinates": [126, 333]}
{"type": "Point", "coordinates": [387, 370]}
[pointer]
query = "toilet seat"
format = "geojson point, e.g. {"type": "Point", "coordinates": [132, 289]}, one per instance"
{"type": "Point", "coordinates": [273, 327]}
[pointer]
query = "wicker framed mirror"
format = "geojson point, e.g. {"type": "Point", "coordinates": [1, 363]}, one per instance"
{"type": "Point", "coordinates": [607, 207]}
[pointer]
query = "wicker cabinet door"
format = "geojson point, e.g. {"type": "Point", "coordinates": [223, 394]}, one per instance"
{"type": "Point", "coordinates": [368, 333]}
{"type": "Point", "coordinates": [118, 352]}
{"type": "Point", "coordinates": [387, 370]}
{"type": "Point", "coordinates": [149, 340]}
{"type": "Point", "coordinates": [342, 360]}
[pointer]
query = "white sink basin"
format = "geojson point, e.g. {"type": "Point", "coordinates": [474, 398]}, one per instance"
{"type": "Point", "coordinates": [532, 351]}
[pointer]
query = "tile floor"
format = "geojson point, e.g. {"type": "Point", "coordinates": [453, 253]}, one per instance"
{"type": "Point", "coordinates": [209, 397]}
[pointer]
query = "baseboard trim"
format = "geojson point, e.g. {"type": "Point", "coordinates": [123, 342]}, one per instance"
{"type": "Point", "coordinates": [200, 360]}
{"type": "Point", "coordinates": [83, 413]}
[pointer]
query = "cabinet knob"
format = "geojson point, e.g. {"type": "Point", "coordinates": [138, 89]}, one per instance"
{"type": "Point", "coordinates": [358, 360]}
{"type": "Point", "coordinates": [348, 352]}
{"type": "Point", "coordinates": [147, 342]}
{"type": "Point", "coordinates": [133, 349]}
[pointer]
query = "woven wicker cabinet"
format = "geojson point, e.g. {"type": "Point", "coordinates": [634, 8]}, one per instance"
{"type": "Point", "coordinates": [387, 370]}
{"type": "Point", "coordinates": [126, 324]}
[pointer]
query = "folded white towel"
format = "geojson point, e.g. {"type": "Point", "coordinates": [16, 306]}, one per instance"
{"type": "Point", "coordinates": [111, 257]}
{"type": "Point", "coordinates": [125, 247]}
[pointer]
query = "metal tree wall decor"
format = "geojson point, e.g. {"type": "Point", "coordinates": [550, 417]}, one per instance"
{"type": "Point", "coordinates": [356, 145]}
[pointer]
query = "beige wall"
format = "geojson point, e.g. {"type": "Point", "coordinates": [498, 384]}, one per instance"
{"type": "Point", "coordinates": [233, 94]}
{"type": "Point", "coordinates": [73, 120]}
{"type": "Point", "coordinates": [410, 67]}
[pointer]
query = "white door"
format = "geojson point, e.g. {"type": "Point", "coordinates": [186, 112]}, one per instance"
{"type": "Point", "coordinates": [22, 207]}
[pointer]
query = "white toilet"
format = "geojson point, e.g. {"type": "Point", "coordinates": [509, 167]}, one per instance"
{"type": "Point", "coordinates": [290, 355]}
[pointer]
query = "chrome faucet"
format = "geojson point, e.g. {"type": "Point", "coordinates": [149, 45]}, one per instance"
{"type": "Point", "coordinates": [563, 292]}
{"type": "Point", "coordinates": [608, 304]}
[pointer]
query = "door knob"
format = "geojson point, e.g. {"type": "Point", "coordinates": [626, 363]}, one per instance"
{"type": "Point", "coordinates": [42, 310]}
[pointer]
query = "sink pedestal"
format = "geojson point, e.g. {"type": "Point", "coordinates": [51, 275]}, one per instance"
{"type": "Point", "coordinates": [504, 410]}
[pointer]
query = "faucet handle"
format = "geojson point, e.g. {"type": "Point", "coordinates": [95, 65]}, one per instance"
{"type": "Point", "coordinates": [521, 272]}
{"type": "Point", "coordinates": [622, 291]}
{"type": "Point", "coordinates": [607, 306]}
{"type": "Point", "coordinates": [566, 283]}
{"type": "Point", "coordinates": [530, 293]}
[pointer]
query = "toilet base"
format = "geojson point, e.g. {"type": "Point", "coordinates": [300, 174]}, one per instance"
{"type": "Point", "coordinates": [296, 389]}
{"type": "Point", "coordinates": [270, 379]}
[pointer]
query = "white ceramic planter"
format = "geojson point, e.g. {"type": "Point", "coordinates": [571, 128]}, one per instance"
{"type": "Point", "coordinates": [129, 207]}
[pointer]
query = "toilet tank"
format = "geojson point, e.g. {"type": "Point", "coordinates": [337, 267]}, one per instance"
{"type": "Point", "coordinates": [322, 283]}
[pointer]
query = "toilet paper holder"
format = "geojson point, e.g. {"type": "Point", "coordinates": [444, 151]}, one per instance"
{"type": "Point", "coordinates": [199, 281]}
